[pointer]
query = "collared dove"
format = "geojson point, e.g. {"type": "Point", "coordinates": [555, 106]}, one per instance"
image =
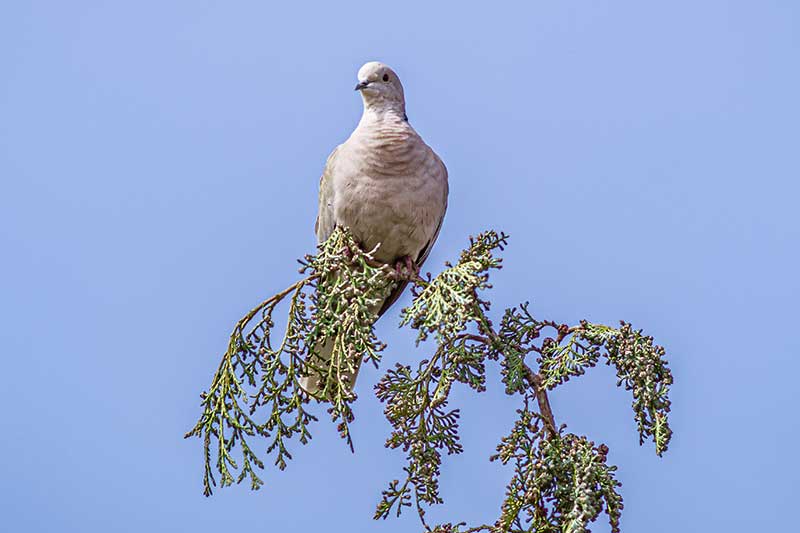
{"type": "Point", "coordinates": [384, 183]}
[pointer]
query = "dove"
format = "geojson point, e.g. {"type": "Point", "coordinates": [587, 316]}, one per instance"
{"type": "Point", "coordinates": [384, 184]}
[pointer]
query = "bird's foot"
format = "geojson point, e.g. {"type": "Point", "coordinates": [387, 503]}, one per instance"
{"type": "Point", "coordinates": [405, 268]}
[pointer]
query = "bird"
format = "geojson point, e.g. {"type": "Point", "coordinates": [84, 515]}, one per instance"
{"type": "Point", "coordinates": [385, 185]}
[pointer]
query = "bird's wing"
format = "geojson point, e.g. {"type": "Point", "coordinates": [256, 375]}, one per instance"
{"type": "Point", "coordinates": [442, 170]}
{"type": "Point", "coordinates": [426, 250]}
{"type": "Point", "coordinates": [326, 223]}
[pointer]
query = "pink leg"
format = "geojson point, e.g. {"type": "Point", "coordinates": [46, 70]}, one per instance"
{"type": "Point", "coordinates": [413, 269]}
{"type": "Point", "coordinates": [406, 268]}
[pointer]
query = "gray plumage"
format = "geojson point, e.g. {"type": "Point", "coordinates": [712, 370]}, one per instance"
{"type": "Point", "coordinates": [383, 182]}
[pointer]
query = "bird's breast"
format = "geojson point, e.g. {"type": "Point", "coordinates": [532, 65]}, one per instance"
{"type": "Point", "coordinates": [391, 193]}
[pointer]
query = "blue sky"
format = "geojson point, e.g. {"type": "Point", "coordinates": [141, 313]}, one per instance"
{"type": "Point", "coordinates": [159, 165]}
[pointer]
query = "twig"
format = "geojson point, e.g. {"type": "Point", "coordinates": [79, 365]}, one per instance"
{"type": "Point", "coordinates": [535, 381]}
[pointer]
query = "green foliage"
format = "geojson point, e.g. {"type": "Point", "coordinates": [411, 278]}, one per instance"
{"type": "Point", "coordinates": [640, 364]}
{"type": "Point", "coordinates": [446, 304]}
{"type": "Point", "coordinates": [519, 332]}
{"type": "Point", "coordinates": [349, 292]}
{"type": "Point", "coordinates": [561, 481]}
{"type": "Point", "coordinates": [642, 369]}
{"type": "Point", "coordinates": [417, 401]}
{"type": "Point", "coordinates": [561, 360]}
{"type": "Point", "coordinates": [333, 304]}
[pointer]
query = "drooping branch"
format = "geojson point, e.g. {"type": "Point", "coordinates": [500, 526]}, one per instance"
{"type": "Point", "coordinates": [333, 304]}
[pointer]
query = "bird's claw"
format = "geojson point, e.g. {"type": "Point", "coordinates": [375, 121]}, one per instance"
{"type": "Point", "coordinates": [405, 268]}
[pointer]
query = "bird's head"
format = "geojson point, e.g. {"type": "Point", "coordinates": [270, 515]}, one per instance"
{"type": "Point", "coordinates": [379, 86]}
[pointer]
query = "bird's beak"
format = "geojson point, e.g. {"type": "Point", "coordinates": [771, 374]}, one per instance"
{"type": "Point", "coordinates": [361, 85]}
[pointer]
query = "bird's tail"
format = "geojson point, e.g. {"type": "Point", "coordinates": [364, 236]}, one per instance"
{"type": "Point", "coordinates": [318, 365]}
{"type": "Point", "coordinates": [319, 369]}
{"type": "Point", "coordinates": [323, 369]}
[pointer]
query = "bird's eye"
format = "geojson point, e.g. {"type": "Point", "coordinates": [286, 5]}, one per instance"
{"type": "Point", "coordinates": [385, 77]}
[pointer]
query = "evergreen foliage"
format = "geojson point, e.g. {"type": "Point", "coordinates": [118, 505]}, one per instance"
{"type": "Point", "coordinates": [561, 481]}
